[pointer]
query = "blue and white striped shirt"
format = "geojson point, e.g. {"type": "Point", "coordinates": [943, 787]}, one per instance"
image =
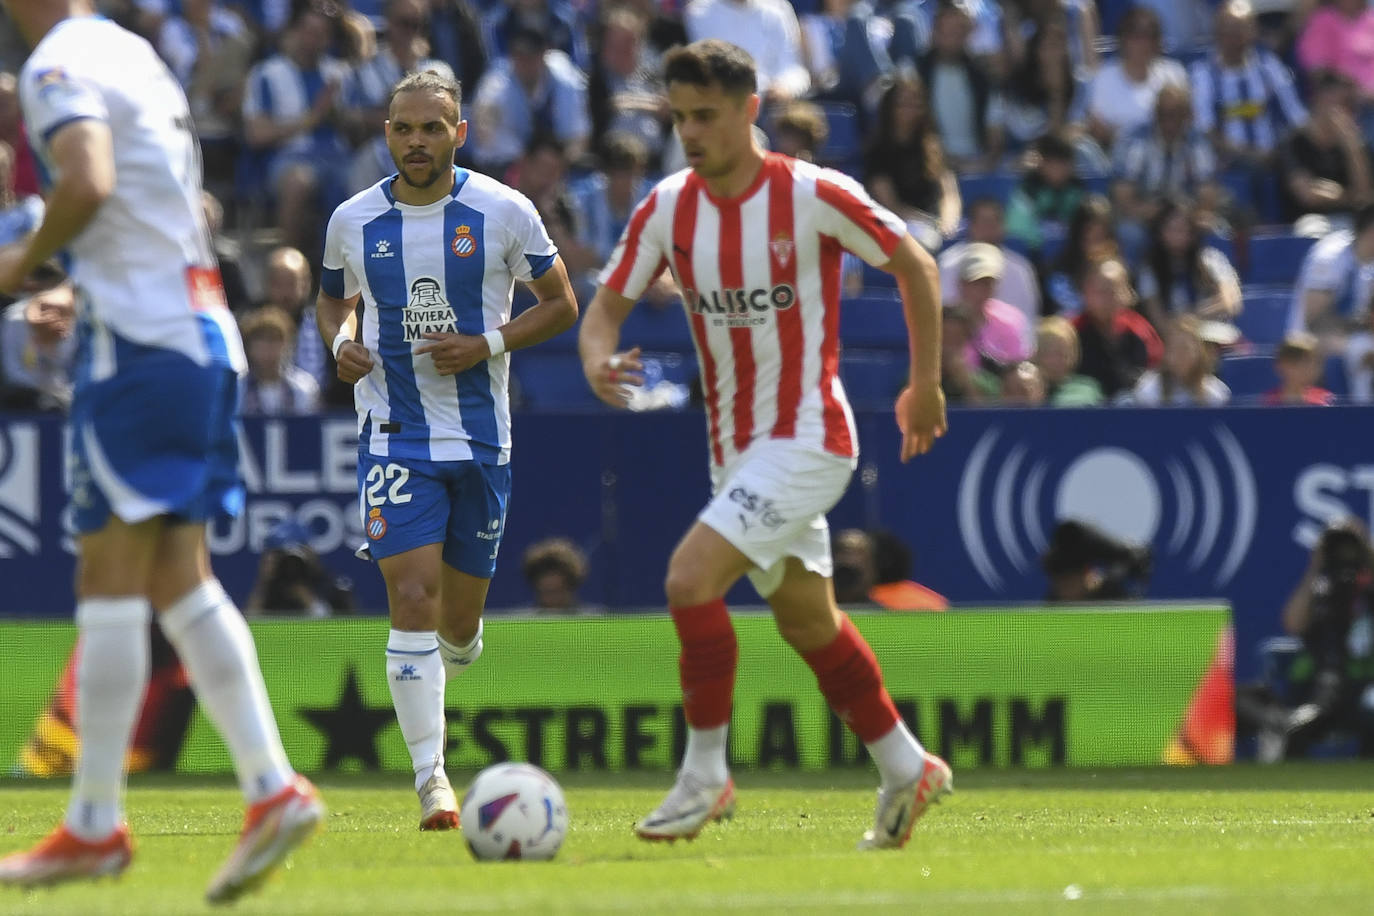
{"type": "Point", "coordinates": [1252, 105]}
{"type": "Point", "coordinates": [447, 267]}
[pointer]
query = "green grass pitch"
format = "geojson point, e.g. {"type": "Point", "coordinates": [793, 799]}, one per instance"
{"type": "Point", "coordinates": [1244, 840]}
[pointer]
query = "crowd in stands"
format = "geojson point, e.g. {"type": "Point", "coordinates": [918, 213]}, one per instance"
{"type": "Point", "coordinates": [1162, 203]}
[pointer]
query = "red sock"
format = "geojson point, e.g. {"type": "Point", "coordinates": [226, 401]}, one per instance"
{"type": "Point", "coordinates": [849, 677]}
{"type": "Point", "coordinates": [707, 663]}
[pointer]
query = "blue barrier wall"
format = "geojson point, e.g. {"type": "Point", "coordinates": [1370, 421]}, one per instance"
{"type": "Point", "coordinates": [1229, 499]}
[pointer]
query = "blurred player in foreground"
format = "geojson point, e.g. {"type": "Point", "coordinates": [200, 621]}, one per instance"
{"type": "Point", "coordinates": [153, 451]}
{"type": "Point", "coordinates": [755, 242]}
{"type": "Point", "coordinates": [433, 254]}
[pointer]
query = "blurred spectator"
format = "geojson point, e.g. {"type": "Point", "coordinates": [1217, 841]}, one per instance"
{"type": "Point", "coordinates": [1298, 364]}
{"type": "Point", "coordinates": [1330, 687]}
{"type": "Point", "coordinates": [963, 382]}
{"type": "Point", "coordinates": [37, 346]}
{"type": "Point", "coordinates": [541, 175]}
{"type": "Point", "coordinates": [1018, 285]}
{"type": "Point", "coordinates": [1336, 280]}
{"type": "Point", "coordinates": [24, 176]}
{"type": "Point", "coordinates": [292, 580]}
{"type": "Point", "coordinates": [1359, 362]}
{"type": "Point", "coordinates": [964, 104]}
{"type": "Point", "coordinates": [287, 285]}
{"type": "Point", "coordinates": [404, 50]}
{"type": "Point", "coordinates": [1325, 163]}
{"type": "Point", "coordinates": [893, 587]}
{"type": "Point", "coordinates": [1184, 377]}
{"type": "Point", "coordinates": [1182, 274]}
{"type": "Point", "coordinates": [857, 580]}
{"type": "Point", "coordinates": [1171, 156]}
{"type": "Point", "coordinates": [273, 386]}
{"type": "Point", "coordinates": [1121, 96]}
{"type": "Point", "coordinates": [1092, 237]}
{"type": "Point", "coordinates": [800, 130]}
{"type": "Point", "coordinates": [606, 198]}
{"type": "Point", "coordinates": [767, 29]}
{"type": "Point", "coordinates": [1184, 24]}
{"type": "Point", "coordinates": [845, 48]}
{"type": "Point", "coordinates": [905, 168]}
{"type": "Point", "coordinates": [1044, 202]}
{"type": "Point", "coordinates": [18, 215]}
{"type": "Point", "coordinates": [1116, 343]}
{"type": "Point", "coordinates": [1046, 92]}
{"type": "Point", "coordinates": [998, 331]}
{"type": "Point", "coordinates": [625, 88]}
{"type": "Point", "coordinates": [227, 252]}
{"type": "Point", "coordinates": [1023, 386]}
{"type": "Point", "coordinates": [209, 49]}
{"type": "Point", "coordinates": [556, 19]}
{"type": "Point", "coordinates": [534, 89]}
{"type": "Point", "coordinates": [455, 37]}
{"type": "Point", "coordinates": [1056, 355]}
{"type": "Point", "coordinates": [1085, 563]}
{"type": "Point", "coordinates": [1338, 36]}
{"type": "Point", "coordinates": [1244, 97]}
{"type": "Point", "coordinates": [1027, 18]}
{"type": "Point", "coordinates": [555, 569]}
{"type": "Point", "coordinates": [288, 114]}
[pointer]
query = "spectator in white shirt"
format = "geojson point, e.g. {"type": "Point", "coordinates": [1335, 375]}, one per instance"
{"type": "Point", "coordinates": [1121, 96]}
{"type": "Point", "coordinates": [767, 29]}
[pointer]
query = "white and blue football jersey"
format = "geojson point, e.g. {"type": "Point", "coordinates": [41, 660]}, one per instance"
{"type": "Point", "coordinates": [447, 267]}
{"type": "Point", "coordinates": [144, 265]}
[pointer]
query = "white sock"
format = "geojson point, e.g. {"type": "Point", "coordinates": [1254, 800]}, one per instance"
{"type": "Point", "coordinates": [458, 658]}
{"type": "Point", "coordinates": [111, 676]}
{"type": "Point", "coordinates": [899, 756]}
{"type": "Point", "coordinates": [213, 641]}
{"type": "Point", "coordinates": [415, 674]}
{"type": "Point", "coordinates": [706, 754]}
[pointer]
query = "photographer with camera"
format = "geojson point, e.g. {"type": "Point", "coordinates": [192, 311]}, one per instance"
{"type": "Point", "coordinates": [292, 580]}
{"type": "Point", "coordinates": [1085, 563]}
{"type": "Point", "coordinates": [1332, 680]}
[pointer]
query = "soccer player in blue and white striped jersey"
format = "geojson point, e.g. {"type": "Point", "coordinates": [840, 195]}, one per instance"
{"type": "Point", "coordinates": [432, 255]}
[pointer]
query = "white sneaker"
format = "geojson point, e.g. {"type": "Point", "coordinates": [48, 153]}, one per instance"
{"type": "Point", "coordinates": [438, 804]}
{"type": "Point", "coordinates": [271, 830]}
{"type": "Point", "coordinates": [899, 809]}
{"type": "Point", "coordinates": [689, 807]}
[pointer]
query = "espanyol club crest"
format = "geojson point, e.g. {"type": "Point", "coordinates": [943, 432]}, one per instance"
{"type": "Point", "coordinates": [376, 525]}
{"type": "Point", "coordinates": [463, 243]}
{"type": "Point", "coordinates": [782, 247]}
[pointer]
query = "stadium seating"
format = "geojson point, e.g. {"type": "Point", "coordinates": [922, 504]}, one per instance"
{"type": "Point", "coordinates": [873, 378]}
{"type": "Point", "coordinates": [1335, 379]}
{"type": "Point", "coordinates": [551, 379]}
{"type": "Point", "coordinates": [997, 185]}
{"type": "Point", "coordinates": [843, 148]}
{"type": "Point", "coordinates": [874, 320]}
{"type": "Point", "coordinates": [1248, 377]}
{"type": "Point", "coordinates": [655, 328]}
{"type": "Point", "coordinates": [1264, 318]}
{"type": "Point", "coordinates": [1274, 258]}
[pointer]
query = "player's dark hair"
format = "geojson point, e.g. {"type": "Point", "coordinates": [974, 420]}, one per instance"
{"type": "Point", "coordinates": [711, 62]}
{"type": "Point", "coordinates": [429, 81]}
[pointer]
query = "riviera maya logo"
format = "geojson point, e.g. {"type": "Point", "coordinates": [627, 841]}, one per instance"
{"type": "Point", "coordinates": [1195, 503]}
{"type": "Point", "coordinates": [19, 503]}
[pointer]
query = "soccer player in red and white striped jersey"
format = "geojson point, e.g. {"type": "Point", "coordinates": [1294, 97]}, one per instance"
{"type": "Point", "coordinates": [755, 240]}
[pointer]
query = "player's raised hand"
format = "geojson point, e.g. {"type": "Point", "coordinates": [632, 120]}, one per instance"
{"type": "Point", "coordinates": [921, 418]}
{"type": "Point", "coordinates": [354, 362]}
{"type": "Point", "coordinates": [610, 377]}
{"type": "Point", "coordinates": [455, 353]}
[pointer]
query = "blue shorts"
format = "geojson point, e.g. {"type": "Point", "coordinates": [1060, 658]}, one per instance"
{"type": "Point", "coordinates": [409, 502]}
{"type": "Point", "coordinates": [158, 438]}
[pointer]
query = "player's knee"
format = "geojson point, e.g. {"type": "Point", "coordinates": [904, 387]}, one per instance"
{"type": "Point", "coordinates": [414, 603]}
{"type": "Point", "coordinates": [809, 634]}
{"type": "Point", "coordinates": [683, 588]}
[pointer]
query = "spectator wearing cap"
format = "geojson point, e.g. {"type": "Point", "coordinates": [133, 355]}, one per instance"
{"type": "Point", "coordinates": [1018, 285]}
{"type": "Point", "coordinates": [998, 333]}
{"type": "Point", "coordinates": [533, 89]}
{"type": "Point", "coordinates": [1298, 364]}
{"type": "Point", "coordinates": [767, 29]}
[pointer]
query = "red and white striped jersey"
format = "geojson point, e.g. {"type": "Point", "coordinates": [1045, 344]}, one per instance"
{"type": "Point", "coordinates": [761, 275]}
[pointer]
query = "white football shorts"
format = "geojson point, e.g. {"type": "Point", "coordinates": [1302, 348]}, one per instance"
{"type": "Point", "coordinates": [770, 503]}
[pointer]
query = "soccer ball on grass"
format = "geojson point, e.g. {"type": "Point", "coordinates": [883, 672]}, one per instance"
{"type": "Point", "coordinates": [514, 811]}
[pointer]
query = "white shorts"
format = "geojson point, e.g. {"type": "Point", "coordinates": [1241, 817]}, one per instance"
{"type": "Point", "coordinates": [770, 503]}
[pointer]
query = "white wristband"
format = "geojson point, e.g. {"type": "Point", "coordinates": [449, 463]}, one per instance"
{"type": "Point", "coordinates": [339, 340]}
{"type": "Point", "coordinates": [496, 340]}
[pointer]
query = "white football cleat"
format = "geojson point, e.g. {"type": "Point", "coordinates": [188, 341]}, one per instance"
{"type": "Point", "coordinates": [690, 806]}
{"type": "Point", "coordinates": [899, 809]}
{"type": "Point", "coordinates": [272, 828]}
{"type": "Point", "coordinates": [438, 804]}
